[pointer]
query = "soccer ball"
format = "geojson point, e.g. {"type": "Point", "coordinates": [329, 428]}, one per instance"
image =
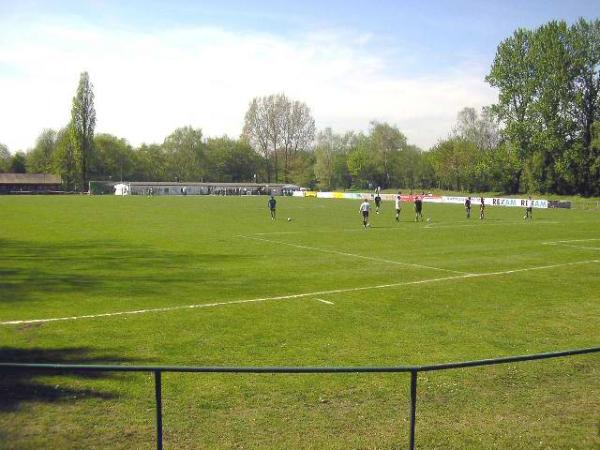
{"type": "Point", "coordinates": [429, 219]}
{"type": "Point", "coordinates": [289, 219]}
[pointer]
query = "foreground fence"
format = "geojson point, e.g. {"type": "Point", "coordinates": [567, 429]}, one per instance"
{"type": "Point", "coordinates": [413, 370]}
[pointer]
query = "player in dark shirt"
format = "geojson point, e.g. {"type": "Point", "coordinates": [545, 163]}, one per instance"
{"type": "Point", "coordinates": [272, 204]}
{"type": "Point", "coordinates": [481, 209]}
{"type": "Point", "coordinates": [418, 208]}
{"type": "Point", "coordinates": [377, 203]}
{"type": "Point", "coordinates": [468, 207]}
{"type": "Point", "coordinates": [528, 208]}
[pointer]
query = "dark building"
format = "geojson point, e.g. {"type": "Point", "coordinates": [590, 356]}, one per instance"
{"type": "Point", "coordinates": [29, 183]}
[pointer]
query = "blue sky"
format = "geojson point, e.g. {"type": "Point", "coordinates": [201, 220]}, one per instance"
{"type": "Point", "coordinates": [159, 65]}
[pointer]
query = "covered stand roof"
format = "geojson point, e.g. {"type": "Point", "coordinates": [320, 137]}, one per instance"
{"type": "Point", "coordinates": [29, 178]}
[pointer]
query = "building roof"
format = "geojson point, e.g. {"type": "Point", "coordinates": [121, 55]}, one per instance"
{"type": "Point", "coordinates": [29, 178]}
{"type": "Point", "coordinates": [212, 184]}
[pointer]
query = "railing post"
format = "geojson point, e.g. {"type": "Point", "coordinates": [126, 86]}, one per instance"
{"type": "Point", "coordinates": [158, 392]}
{"type": "Point", "coordinates": [413, 407]}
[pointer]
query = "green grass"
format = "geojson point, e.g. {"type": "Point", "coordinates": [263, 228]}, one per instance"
{"type": "Point", "coordinates": [73, 256]}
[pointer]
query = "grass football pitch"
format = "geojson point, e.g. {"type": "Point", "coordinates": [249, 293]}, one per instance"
{"type": "Point", "coordinates": [318, 290]}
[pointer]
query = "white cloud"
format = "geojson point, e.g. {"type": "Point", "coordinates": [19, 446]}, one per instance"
{"type": "Point", "coordinates": [147, 84]}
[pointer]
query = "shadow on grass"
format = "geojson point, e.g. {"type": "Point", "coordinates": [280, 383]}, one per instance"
{"type": "Point", "coordinates": [33, 270]}
{"type": "Point", "coordinates": [18, 386]}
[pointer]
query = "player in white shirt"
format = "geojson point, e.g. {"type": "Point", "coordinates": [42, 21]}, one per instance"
{"type": "Point", "coordinates": [365, 207]}
{"type": "Point", "coordinates": [398, 207]}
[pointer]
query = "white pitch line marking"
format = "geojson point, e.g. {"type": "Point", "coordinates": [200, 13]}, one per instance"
{"type": "Point", "coordinates": [527, 269]}
{"type": "Point", "coordinates": [353, 255]}
{"type": "Point", "coordinates": [573, 240]}
{"type": "Point", "coordinates": [234, 302]}
{"type": "Point", "coordinates": [487, 224]}
{"type": "Point", "coordinates": [566, 243]}
{"type": "Point", "coordinates": [324, 301]}
{"type": "Point", "coordinates": [576, 246]}
{"type": "Point", "coordinates": [295, 296]}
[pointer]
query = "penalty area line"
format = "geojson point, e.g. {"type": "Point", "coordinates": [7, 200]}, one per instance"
{"type": "Point", "coordinates": [295, 296]}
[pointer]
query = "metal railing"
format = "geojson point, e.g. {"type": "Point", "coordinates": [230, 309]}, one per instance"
{"type": "Point", "coordinates": [413, 370]}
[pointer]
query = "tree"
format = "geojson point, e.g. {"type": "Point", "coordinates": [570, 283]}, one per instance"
{"type": "Point", "coordinates": [184, 152]}
{"type": "Point", "coordinates": [83, 122]}
{"type": "Point", "coordinates": [231, 160]}
{"type": "Point", "coordinates": [513, 73]}
{"type": "Point", "coordinates": [113, 158]}
{"type": "Point", "coordinates": [549, 85]}
{"type": "Point", "coordinates": [297, 131]}
{"type": "Point", "coordinates": [409, 170]}
{"type": "Point", "coordinates": [454, 162]}
{"type": "Point", "coordinates": [327, 149]}
{"type": "Point", "coordinates": [18, 163]}
{"type": "Point", "coordinates": [585, 44]}
{"type": "Point", "coordinates": [150, 163]}
{"type": "Point", "coordinates": [302, 169]}
{"type": "Point", "coordinates": [482, 130]}
{"type": "Point", "coordinates": [386, 141]}
{"type": "Point", "coordinates": [274, 126]}
{"type": "Point", "coordinates": [361, 164]}
{"type": "Point", "coordinates": [595, 160]}
{"type": "Point", "coordinates": [39, 159]}
{"type": "Point", "coordinates": [64, 160]}
{"type": "Point", "coordinates": [4, 158]}
{"type": "Point", "coordinates": [258, 131]}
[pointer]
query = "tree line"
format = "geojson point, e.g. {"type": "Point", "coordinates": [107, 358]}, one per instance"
{"type": "Point", "coordinates": [543, 135]}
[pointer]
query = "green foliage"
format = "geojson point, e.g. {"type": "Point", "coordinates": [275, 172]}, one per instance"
{"type": "Point", "coordinates": [361, 164]}
{"type": "Point", "coordinates": [4, 158]}
{"type": "Point", "coordinates": [549, 86]}
{"type": "Point", "coordinates": [39, 159]}
{"type": "Point", "coordinates": [331, 159]}
{"type": "Point", "coordinates": [455, 162]}
{"type": "Point", "coordinates": [18, 163]}
{"type": "Point", "coordinates": [230, 160]}
{"type": "Point", "coordinates": [114, 159]}
{"type": "Point", "coordinates": [302, 169]}
{"type": "Point", "coordinates": [185, 155]}
{"type": "Point", "coordinates": [278, 128]}
{"type": "Point", "coordinates": [83, 122]}
{"type": "Point", "coordinates": [387, 142]}
{"type": "Point", "coordinates": [64, 160]}
{"type": "Point", "coordinates": [150, 163]}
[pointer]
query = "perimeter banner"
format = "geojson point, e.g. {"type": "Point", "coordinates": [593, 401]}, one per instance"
{"type": "Point", "coordinates": [498, 201]}
{"type": "Point", "coordinates": [491, 201]}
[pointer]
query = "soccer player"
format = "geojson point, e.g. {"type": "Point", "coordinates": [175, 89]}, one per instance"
{"type": "Point", "coordinates": [418, 208]}
{"type": "Point", "coordinates": [398, 207]}
{"type": "Point", "coordinates": [528, 208]}
{"type": "Point", "coordinates": [272, 204]}
{"type": "Point", "coordinates": [481, 209]}
{"type": "Point", "coordinates": [377, 202]}
{"type": "Point", "coordinates": [365, 207]}
{"type": "Point", "coordinates": [468, 207]}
